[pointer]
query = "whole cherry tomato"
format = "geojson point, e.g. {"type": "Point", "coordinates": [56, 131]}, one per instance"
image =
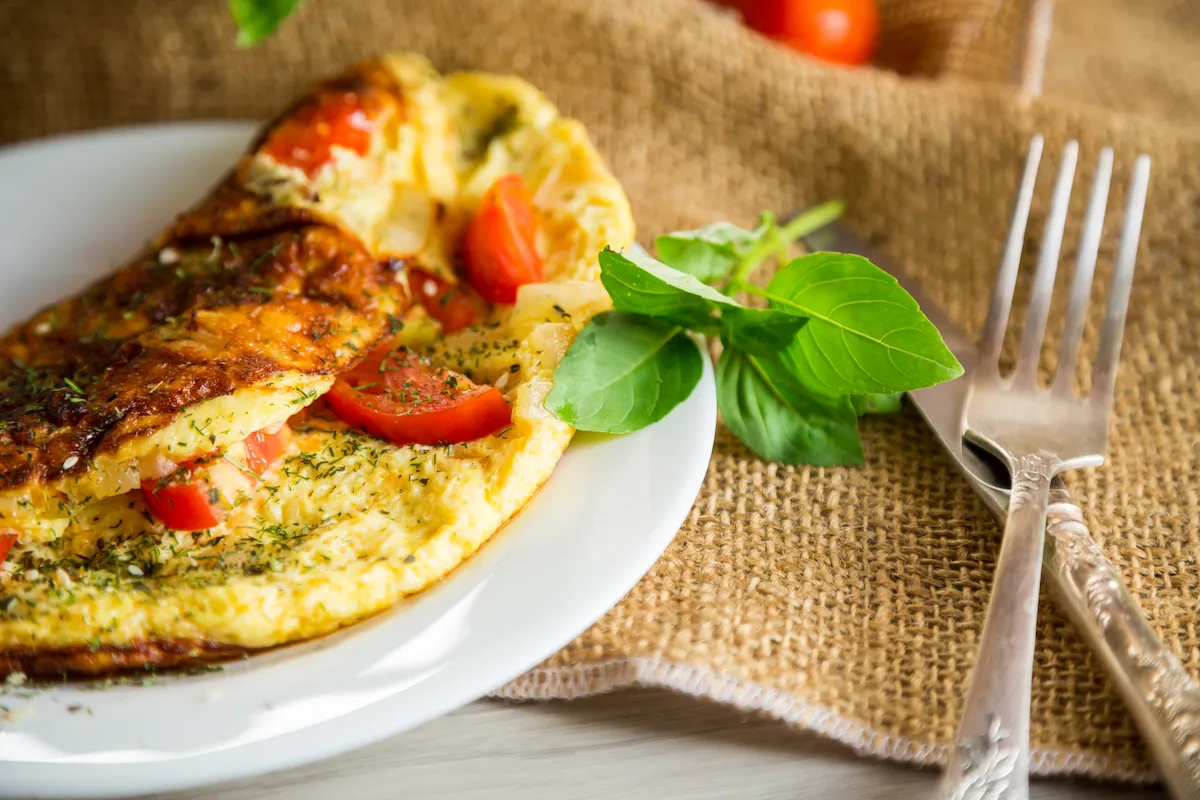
{"type": "Point", "coordinates": [839, 31]}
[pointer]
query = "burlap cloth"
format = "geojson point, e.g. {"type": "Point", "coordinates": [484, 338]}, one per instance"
{"type": "Point", "coordinates": [847, 601]}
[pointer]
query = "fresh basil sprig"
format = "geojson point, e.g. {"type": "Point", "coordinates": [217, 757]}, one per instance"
{"type": "Point", "coordinates": [838, 338]}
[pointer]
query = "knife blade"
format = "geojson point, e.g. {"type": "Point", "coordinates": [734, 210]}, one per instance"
{"type": "Point", "coordinates": [942, 405]}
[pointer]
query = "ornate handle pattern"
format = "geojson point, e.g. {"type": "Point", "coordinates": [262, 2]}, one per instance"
{"type": "Point", "coordinates": [991, 760]}
{"type": "Point", "coordinates": [1161, 695]}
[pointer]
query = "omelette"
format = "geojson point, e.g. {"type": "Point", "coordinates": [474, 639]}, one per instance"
{"type": "Point", "coordinates": [314, 393]}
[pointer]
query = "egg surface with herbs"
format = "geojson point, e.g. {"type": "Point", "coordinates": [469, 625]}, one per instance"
{"type": "Point", "coordinates": [191, 488]}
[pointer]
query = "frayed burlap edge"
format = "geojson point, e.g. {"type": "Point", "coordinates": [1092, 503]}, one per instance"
{"type": "Point", "coordinates": [603, 677]}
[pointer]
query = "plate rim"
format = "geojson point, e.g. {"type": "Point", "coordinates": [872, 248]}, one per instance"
{"type": "Point", "coordinates": [56, 779]}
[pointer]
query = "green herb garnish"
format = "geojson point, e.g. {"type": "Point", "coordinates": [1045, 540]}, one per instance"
{"type": "Point", "coordinates": [838, 338]}
{"type": "Point", "coordinates": [257, 19]}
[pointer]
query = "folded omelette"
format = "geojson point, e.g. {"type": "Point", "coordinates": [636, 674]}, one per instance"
{"type": "Point", "coordinates": [316, 392]}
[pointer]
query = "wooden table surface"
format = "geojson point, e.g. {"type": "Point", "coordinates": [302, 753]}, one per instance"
{"type": "Point", "coordinates": [641, 744]}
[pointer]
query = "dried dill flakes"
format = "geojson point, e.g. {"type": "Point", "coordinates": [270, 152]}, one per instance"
{"type": "Point", "coordinates": [264, 256]}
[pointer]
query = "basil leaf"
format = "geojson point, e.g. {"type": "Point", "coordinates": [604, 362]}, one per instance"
{"type": "Point", "coordinates": [640, 285]}
{"type": "Point", "coordinates": [865, 334]}
{"type": "Point", "coordinates": [779, 419]}
{"type": "Point", "coordinates": [623, 373]}
{"type": "Point", "coordinates": [707, 253]}
{"type": "Point", "coordinates": [761, 331]}
{"type": "Point", "coordinates": [877, 403]}
{"type": "Point", "coordinates": [258, 19]}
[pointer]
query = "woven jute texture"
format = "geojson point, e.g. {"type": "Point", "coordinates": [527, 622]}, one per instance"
{"type": "Point", "coordinates": [1133, 55]}
{"type": "Point", "coordinates": [848, 601]}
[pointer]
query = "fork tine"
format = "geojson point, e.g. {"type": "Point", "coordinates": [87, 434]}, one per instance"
{"type": "Point", "coordinates": [1043, 279]}
{"type": "Point", "coordinates": [1105, 376]}
{"type": "Point", "coordinates": [1085, 269]}
{"type": "Point", "coordinates": [992, 340]}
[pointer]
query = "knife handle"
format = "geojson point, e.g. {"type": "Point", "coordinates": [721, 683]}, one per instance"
{"type": "Point", "coordinates": [1162, 697]}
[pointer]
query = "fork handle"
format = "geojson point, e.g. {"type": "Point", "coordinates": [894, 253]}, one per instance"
{"type": "Point", "coordinates": [1162, 697]}
{"type": "Point", "coordinates": [991, 753]}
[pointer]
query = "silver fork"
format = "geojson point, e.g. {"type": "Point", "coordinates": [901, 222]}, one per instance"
{"type": "Point", "coordinates": [1038, 433]}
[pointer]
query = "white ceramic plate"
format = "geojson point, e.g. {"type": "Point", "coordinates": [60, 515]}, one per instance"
{"type": "Point", "coordinates": [73, 208]}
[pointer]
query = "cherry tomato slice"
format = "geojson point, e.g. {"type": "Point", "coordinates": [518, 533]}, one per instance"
{"type": "Point", "coordinates": [305, 139]}
{"type": "Point", "coordinates": [448, 304]}
{"type": "Point", "coordinates": [184, 501]}
{"type": "Point", "coordinates": [264, 449]}
{"type": "Point", "coordinates": [838, 31]}
{"type": "Point", "coordinates": [406, 401]}
{"type": "Point", "coordinates": [499, 248]}
{"type": "Point", "coordinates": [8, 537]}
{"type": "Point", "coordinates": [190, 498]}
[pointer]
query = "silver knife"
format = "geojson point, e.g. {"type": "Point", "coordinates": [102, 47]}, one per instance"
{"type": "Point", "coordinates": [1162, 697]}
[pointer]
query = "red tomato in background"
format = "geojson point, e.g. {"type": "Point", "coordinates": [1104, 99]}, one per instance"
{"type": "Point", "coordinates": [404, 400]}
{"type": "Point", "coordinates": [499, 249]}
{"type": "Point", "coordinates": [838, 31]}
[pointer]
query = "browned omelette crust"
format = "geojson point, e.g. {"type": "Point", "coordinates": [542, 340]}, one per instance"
{"type": "Point", "coordinates": [235, 291]}
{"type": "Point", "coordinates": [107, 660]}
{"type": "Point", "coordinates": [232, 211]}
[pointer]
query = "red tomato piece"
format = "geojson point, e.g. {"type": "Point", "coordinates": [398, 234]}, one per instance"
{"type": "Point", "coordinates": [184, 501]}
{"type": "Point", "coordinates": [8, 537]}
{"type": "Point", "coordinates": [839, 31]}
{"type": "Point", "coordinates": [499, 248]}
{"type": "Point", "coordinates": [449, 304]}
{"type": "Point", "coordinates": [305, 139]}
{"type": "Point", "coordinates": [264, 449]}
{"type": "Point", "coordinates": [404, 400]}
{"type": "Point", "coordinates": [189, 499]}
